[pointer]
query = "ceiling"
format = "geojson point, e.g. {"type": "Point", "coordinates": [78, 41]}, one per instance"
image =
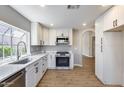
{"type": "Point", "coordinates": [60, 16]}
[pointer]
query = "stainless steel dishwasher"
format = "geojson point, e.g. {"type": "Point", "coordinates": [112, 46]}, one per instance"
{"type": "Point", "coordinates": [16, 80]}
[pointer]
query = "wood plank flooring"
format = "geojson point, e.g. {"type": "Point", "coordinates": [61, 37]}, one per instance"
{"type": "Point", "coordinates": [78, 77]}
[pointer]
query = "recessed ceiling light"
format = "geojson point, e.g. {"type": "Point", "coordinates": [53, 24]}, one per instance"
{"type": "Point", "coordinates": [51, 24]}
{"type": "Point", "coordinates": [84, 24]}
{"type": "Point", "coordinates": [42, 5]}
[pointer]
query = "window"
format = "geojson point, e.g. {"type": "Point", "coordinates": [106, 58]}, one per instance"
{"type": "Point", "coordinates": [9, 38]}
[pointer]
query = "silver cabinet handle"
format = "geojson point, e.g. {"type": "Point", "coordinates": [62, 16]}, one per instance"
{"type": "Point", "coordinates": [36, 64]}
{"type": "Point", "coordinates": [36, 70]}
{"type": "Point", "coordinates": [101, 45]}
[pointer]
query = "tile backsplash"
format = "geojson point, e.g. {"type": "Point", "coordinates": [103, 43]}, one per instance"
{"type": "Point", "coordinates": [35, 49]}
{"type": "Point", "coordinates": [57, 48]}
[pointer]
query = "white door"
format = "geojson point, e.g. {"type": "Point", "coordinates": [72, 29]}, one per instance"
{"type": "Point", "coordinates": [99, 28]}
{"type": "Point", "coordinates": [113, 55]}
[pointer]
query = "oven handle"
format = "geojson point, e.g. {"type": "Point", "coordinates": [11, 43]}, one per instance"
{"type": "Point", "coordinates": [62, 56]}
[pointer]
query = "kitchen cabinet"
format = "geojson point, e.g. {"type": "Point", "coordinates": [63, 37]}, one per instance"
{"type": "Point", "coordinates": [99, 28]}
{"type": "Point", "coordinates": [36, 34]}
{"type": "Point", "coordinates": [70, 37]}
{"type": "Point", "coordinates": [64, 32]}
{"type": "Point", "coordinates": [108, 54]}
{"type": "Point", "coordinates": [51, 60]}
{"type": "Point", "coordinates": [113, 18]}
{"type": "Point", "coordinates": [113, 58]}
{"type": "Point", "coordinates": [31, 75]}
{"type": "Point", "coordinates": [110, 18]}
{"type": "Point", "coordinates": [45, 36]}
{"type": "Point", "coordinates": [44, 64]}
{"type": "Point", "coordinates": [35, 71]}
{"type": "Point", "coordinates": [120, 14]}
{"type": "Point", "coordinates": [52, 37]}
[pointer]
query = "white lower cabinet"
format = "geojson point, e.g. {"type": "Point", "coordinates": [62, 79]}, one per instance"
{"type": "Point", "coordinates": [51, 60]}
{"type": "Point", "coordinates": [35, 71]}
{"type": "Point", "coordinates": [44, 64]}
{"type": "Point", "coordinates": [30, 76]}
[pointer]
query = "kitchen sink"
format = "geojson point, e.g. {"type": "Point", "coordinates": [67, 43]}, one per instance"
{"type": "Point", "coordinates": [24, 61]}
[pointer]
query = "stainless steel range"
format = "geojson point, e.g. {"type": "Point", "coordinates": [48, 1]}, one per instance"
{"type": "Point", "coordinates": [62, 59]}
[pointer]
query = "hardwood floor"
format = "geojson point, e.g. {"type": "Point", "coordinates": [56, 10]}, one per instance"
{"type": "Point", "coordinates": [78, 77]}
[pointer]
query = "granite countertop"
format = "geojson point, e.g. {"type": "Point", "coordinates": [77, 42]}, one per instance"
{"type": "Point", "coordinates": [9, 69]}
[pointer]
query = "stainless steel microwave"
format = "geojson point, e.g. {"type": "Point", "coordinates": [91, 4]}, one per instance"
{"type": "Point", "coordinates": [62, 40]}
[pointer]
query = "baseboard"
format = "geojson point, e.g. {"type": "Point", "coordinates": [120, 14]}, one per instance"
{"type": "Point", "coordinates": [79, 65]}
{"type": "Point", "coordinates": [87, 55]}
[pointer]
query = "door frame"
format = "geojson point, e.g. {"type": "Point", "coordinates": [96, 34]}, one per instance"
{"type": "Point", "coordinates": [86, 30]}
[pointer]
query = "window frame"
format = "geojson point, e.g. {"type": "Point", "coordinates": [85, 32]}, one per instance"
{"type": "Point", "coordinates": [12, 28]}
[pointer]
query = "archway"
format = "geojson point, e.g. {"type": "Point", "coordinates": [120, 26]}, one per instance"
{"type": "Point", "coordinates": [88, 43]}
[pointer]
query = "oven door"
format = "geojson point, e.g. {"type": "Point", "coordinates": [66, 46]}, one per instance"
{"type": "Point", "coordinates": [62, 61]}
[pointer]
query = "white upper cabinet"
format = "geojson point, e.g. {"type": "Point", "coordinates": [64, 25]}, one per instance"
{"type": "Point", "coordinates": [70, 37]}
{"type": "Point", "coordinates": [36, 34]}
{"type": "Point", "coordinates": [120, 15]}
{"type": "Point", "coordinates": [52, 37]}
{"type": "Point", "coordinates": [45, 36]}
{"type": "Point", "coordinates": [66, 33]}
{"type": "Point", "coordinates": [113, 18]}
{"type": "Point", "coordinates": [110, 18]}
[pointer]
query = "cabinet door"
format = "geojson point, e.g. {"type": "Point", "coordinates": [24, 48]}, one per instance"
{"type": "Point", "coordinates": [70, 37]}
{"type": "Point", "coordinates": [120, 15]}
{"type": "Point", "coordinates": [109, 17]}
{"type": "Point", "coordinates": [52, 37]}
{"type": "Point", "coordinates": [30, 77]}
{"type": "Point", "coordinates": [99, 27]}
{"type": "Point", "coordinates": [36, 34]}
{"type": "Point", "coordinates": [46, 36]}
{"type": "Point", "coordinates": [45, 63]}
{"type": "Point", "coordinates": [51, 60]}
{"type": "Point", "coordinates": [39, 72]}
{"type": "Point", "coordinates": [64, 32]}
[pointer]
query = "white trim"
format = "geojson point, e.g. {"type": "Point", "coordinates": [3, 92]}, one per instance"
{"type": "Point", "coordinates": [83, 32]}
{"type": "Point", "coordinates": [88, 30]}
{"type": "Point", "coordinates": [79, 65]}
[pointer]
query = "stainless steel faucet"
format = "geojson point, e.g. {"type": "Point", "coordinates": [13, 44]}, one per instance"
{"type": "Point", "coordinates": [18, 52]}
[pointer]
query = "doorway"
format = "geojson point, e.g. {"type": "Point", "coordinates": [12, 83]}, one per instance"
{"type": "Point", "coordinates": [88, 43]}
{"type": "Point", "coordinates": [88, 50]}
